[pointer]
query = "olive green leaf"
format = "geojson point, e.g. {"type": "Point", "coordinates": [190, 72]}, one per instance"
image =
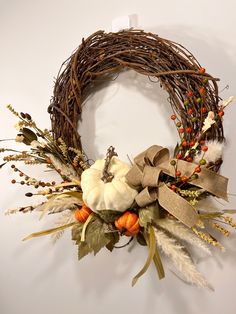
{"type": "Point", "coordinates": [158, 263]}
{"type": "Point", "coordinates": [141, 240]}
{"type": "Point", "coordinates": [152, 248]}
{"type": "Point", "coordinates": [29, 136]}
{"type": "Point", "coordinates": [109, 215]}
{"type": "Point", "coordinates": [49, 231]}
{"type": "Point", "coordinates": [176, 150]}
{"type": "Point", "coordinates": [76, 233]}
{"type": "Point", "coordinates": [84, 249]}
{"type": "Point", "coordinates": [96, 236]}
{"type": "Point", "coordinates": [114, 238]}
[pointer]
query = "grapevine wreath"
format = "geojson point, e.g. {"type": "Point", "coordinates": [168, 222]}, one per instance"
{"type": "Point", "coordinates": [157, 199]}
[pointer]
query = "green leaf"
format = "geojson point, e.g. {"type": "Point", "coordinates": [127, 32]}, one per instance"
{"type": "Point", "coordinates": [109, 215]}
{"type": "Point", "coordinates": [141, 240]}
{"type": "Point", "coordinates": [49, 231]}
{"type": "Point", "coordinates": [152, 249]}
{"type": "Point", "coordinates": [176, 150]}
{"type": "Point", "coordinates": [29, 136]}
{"type": "Point", "coordinates": [96, 236]}
{"type": "Point", "coordinates": [229, 211]}
{"type": "Point", "coordinates": [84, 249]}
{"type": "Point", "coordinates": [113, 239]}
{"type": "Point", "coordinates": [158, 263]}
{"type": "Point", "coordinates": [76, 233]}
{"type": "Point", "coordinates": [149, 214]}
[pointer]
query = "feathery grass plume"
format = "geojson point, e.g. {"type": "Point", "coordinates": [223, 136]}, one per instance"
{"type": "Point", "coordinates": [181, 259]}
{"type": "Point", "coordinates": [65, 218]}
{"type": "Point", "coordinates": [178, 230]}
{"type": "Point", "coordinates": [66, 170]}
{"type": "Point", "coordinates": [60, 202]}
{"type": "Point", "coordinates": [214, 152]}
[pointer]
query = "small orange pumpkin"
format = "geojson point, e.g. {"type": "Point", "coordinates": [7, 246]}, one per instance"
{"type": "Point", "coordinates": [82, 213]}
{"type": "Point", "coordinates": [128, 224]}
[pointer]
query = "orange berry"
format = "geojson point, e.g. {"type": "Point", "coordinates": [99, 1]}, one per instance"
{"type": "Point", "coordinates": [204, 148]}
{"type": "Point", "coordinates": [202, 70]}
{"type": "Point", "coordinates": [192, 143]}
{"type": "Point", "coordinates": [179, 156]}
{"type": "Point", "coordinates": [189, 159]}
{"type": "Point", "coordinates": [173, 187]}
{"type": "Point", "coordinates": [203, 109]}
{"type": "Point", "coordinates": [173, 117]}
{"type": "Point", "coordinates": [202, 142]}
{"type": "Point", "coordinates": [190, 111]}
{"type": "Point", "coordinates": [202, 90]}
{"type": "Point", "coordinates": [198, 169]}
{"type": "Point", "coordinates": [178, 173]}
{"type": "Point", "coordinates": [181, 130]}
{"type": "Point", "coordinates": [189, 93]}
{"type": "Point", "coordinates": [221, 113]}
{"type": "Point", "coordinates": [184, 143]}
{"type": "Point", "coordinates": [188, 130]}
{"type": "Point", "coordinates": [184, 179]}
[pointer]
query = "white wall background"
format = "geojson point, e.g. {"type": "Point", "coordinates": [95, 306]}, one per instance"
{"type": "Point", "coordinates": [35, 38]}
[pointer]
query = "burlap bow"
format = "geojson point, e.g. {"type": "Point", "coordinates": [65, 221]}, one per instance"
{"type": "Point", "coordinates": [145, 174]}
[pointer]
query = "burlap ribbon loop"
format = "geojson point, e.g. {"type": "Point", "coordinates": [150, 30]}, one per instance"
{"type": "Point", "coordinates": [145, 175]}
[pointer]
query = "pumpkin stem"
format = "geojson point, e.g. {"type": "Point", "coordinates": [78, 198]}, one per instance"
{"type": "Point", "coordinates": [106, 175]}
{"type": "Point", "coordinates": [123, 230]}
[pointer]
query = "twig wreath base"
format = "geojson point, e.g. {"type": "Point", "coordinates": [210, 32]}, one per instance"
{"type": "Point", "coordinates": [155, 200]}
{"type": "Point", "coordinates": [102, 56]}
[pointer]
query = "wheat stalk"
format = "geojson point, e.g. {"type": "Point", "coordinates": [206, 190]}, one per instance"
{"type": "Point", "coordinates": [178, 230]}
{"type": "Point", "coordinates": [181, 259]}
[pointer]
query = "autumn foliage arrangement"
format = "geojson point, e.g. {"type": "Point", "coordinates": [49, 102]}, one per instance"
{"type": "Point", "coordinates": [157, 200]}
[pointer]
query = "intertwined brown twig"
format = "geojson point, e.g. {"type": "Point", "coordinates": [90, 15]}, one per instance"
{"type": "Point", "coordinates": [103, 55]}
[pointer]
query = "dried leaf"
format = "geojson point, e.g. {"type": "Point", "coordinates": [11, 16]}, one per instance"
{"type": "Point", "coordinates": [109, 215]}
{"type": "Point", "coordinates": [48, 231]}
{"type": "Point", "coordinates": [76, 233]}
{"type": "Point", "coordinates": [141, 240]}
{"type": "Point", "coordinates": [84, 249]}
{"type": "Point", "coordinates": [113, 238]}
{"type": "Point", "coordinates": [29, 136]}
{"type": "Point", "coordinates": [152, 248]}
{"type": "Point", "coordinates": [96, 236]}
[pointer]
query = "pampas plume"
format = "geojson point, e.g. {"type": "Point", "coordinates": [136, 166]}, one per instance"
{"type": "Point", "coordinates": [214, 152]}
{"type": "Point", "coordinates": [181, 259]}
{"type": "Point", "coordinates": [178, 230]}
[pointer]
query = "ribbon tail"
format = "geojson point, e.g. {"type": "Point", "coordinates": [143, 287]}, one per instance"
{"type": "Point", "coordinates": [177, 206]}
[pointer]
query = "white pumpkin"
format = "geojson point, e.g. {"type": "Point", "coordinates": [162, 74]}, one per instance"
{"type": "Point", "coordinates": [115, 195]}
